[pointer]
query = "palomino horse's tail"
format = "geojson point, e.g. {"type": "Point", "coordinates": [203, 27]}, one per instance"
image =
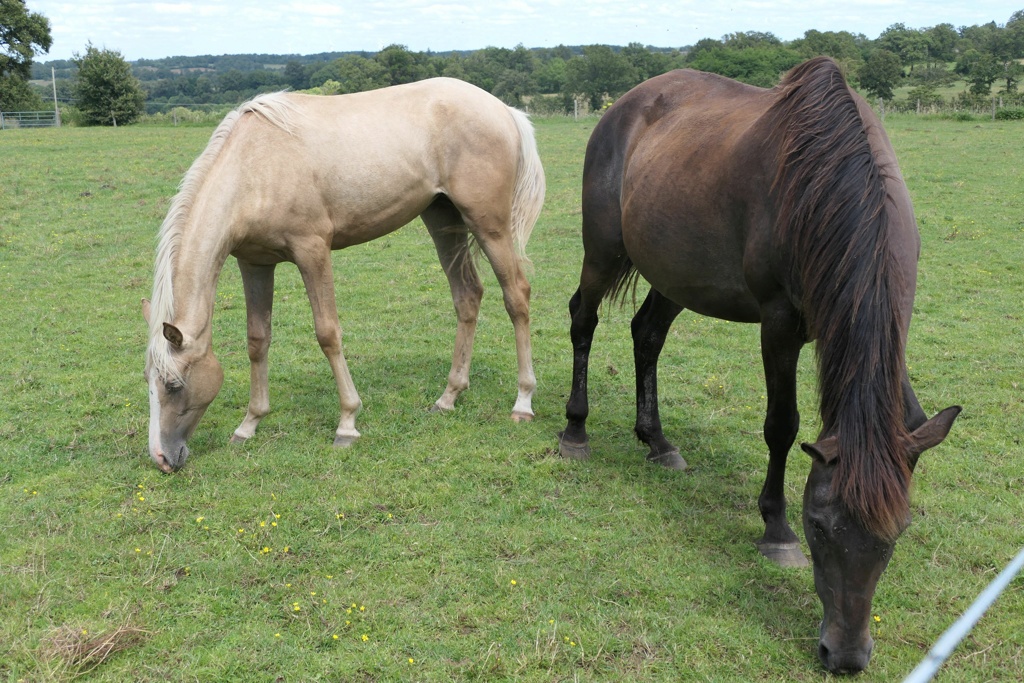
{"type": "Point", "coordinates": [529, 192]}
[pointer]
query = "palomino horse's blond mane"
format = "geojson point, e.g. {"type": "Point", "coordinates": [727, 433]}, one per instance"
{"type": "Point", "coordinates": [275, 109]}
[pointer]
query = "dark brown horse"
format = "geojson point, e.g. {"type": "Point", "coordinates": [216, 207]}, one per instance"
{"type": "Point", "coordinates": [784, 207]}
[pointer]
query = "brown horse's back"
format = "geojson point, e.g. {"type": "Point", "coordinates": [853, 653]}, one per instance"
{"type": "Point", "coordinates": [664, 145]}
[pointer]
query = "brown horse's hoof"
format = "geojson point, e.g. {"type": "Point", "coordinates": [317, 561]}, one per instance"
{"type": "Point", "coordinates": [783, 554]}
{"type": "Point", "coordinates": [573, 451]}
{"type": "Point", "coordinates": [670, 459]}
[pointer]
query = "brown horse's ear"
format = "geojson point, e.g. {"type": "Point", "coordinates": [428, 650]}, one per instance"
{"type": "Point", "coordinates": [173, 335]}
{"type": "Point", "coordinates": [931, 433]}
{"type": "Point", "coordinates": [824, 450]}
{"type": "Point", "coordinates": [145, 310]}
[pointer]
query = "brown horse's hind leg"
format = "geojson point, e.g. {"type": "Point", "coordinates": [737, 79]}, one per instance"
{"type": "Point", "coordinates": [314, 263]}
{"type": "Point", "coordinates": [451, 239]}
{"type": "Point", "coordinates": [650, 327]}
{"type": "Point", "coordinates": [600, 267]}
{"type": "Point", "coordinates": [781, 341]}
{"type": "Point", "coordinates": [258, 284]}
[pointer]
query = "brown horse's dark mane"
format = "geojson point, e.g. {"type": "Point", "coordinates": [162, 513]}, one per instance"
{"type": "Point", "coordinates": [832, 236]}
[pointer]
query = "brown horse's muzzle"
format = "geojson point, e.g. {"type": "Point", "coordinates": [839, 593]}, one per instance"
{"type": "Point", "coordinates": [846, 658]}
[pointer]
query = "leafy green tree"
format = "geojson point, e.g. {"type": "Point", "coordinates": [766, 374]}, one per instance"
{"type": "Point", "coordinates": [106, 92]}
{"type": "Point", "coordinates": [980, 70]}
{"type": "Point", "coordinates": [761, 65]}
{"type": "Point", "coordinates": [600, 72]}
{"type": "Point", "coordinates": [402, 66]}
{"type": "Point", "coordinates": [976, 37]}
{"type": "Point", "coordinates": [881, 74]}
{"type": "Point", "coordinates": [23, 35]}
{"type": "Point", "coordinates": [841, 46]}
{"type": "Point", "coordinates": [1015, 34]}
{"type": "Point", "coordinates": [910, 45]}
{"type": "Point", "coordinates": [296, 75]}
{"type": "Point", "coordinates": [749, 39]}
{"type": "Point", "coordinates": [513, 86]}
{"type": "Point", "coordinates": [647, 63]}
{"type": "Point", "coordinates": [942, 40]}
{"type": "Point", "coordinates": [551, 75]}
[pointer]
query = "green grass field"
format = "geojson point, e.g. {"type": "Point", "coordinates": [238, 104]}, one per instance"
{"type": "Point", "coordinates": [459, 546]}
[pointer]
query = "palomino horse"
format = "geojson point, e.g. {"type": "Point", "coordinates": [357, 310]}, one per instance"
{"type": "Point", "coordinates": [784, 207]}
{"type": "Point", "coordinates": [289, 177]}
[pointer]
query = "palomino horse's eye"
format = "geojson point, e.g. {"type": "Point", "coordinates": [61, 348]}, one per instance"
{"type": "Point", "coordinates": [173, 387]}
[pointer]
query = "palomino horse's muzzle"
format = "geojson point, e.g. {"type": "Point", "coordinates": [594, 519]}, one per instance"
{"type": "Point", "coordinates": [171, 459]}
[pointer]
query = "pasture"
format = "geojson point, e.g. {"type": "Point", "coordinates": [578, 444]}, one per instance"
{"type": "Point", "coordinates": [459, 546]}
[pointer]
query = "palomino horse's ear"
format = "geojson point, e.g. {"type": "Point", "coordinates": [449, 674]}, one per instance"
{"type": "Point", "coordinates": [931, 433]}
{"type": "Point", "coordinates": [824, 451]}
{"type": "Point", "coordinates": [173, 335]}
{"type": "Point", "coordinates": [145, 310]}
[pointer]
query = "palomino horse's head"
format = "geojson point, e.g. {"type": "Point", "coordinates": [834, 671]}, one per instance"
{"type": "Point", "coordinates": [182, 383]}
{"type": "Point", "coordinates": [849, 559]}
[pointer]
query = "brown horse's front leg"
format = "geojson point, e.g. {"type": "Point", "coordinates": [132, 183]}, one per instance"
{"type": "Point", "coordinates": [781, 341]}
{"type": "Point", "coordinates": [315, 266]}
{"type": "Point", "coordinates": [258, 284]}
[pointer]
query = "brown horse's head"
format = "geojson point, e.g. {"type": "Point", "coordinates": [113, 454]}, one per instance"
{"type": "Point", "coordinates": [848, 556]}
{"type": "Point", "coordinates": [183, 377]}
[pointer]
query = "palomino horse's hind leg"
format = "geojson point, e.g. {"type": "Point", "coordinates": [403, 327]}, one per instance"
{"type": "Point", "coordinates": [450, 237]}
{"type": "Point", "coordinates": [650, 327]}
{"type": "Point", "coordinates": [490, 226]}
{"type": "Point", "coordinates": [314, 264]}
{"type": "Point", "coordinates": [781, 341]}
{"type": "Point", "coordinates": [515, 290]}
{"type": "Point", "coordinates": [258, 283]}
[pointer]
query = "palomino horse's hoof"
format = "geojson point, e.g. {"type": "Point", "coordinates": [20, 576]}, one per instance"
{"type": "Point", "coordinates": [572, 451]}
{"type": "Point", "coordinates": [345, 440]}
{"type": "Point", "coordinates": [519, 416]}
{"type": "Point", "coordinates": [235, 438]}
{"type": "Point", "coordinates": [438, 408]}
{"type": "Point", "coordinates": [670, 459]}
{"type": "Point", "coordinates": [783, 554]}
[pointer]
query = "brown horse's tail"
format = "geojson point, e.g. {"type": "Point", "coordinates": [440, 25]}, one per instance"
{"type": "Point", "coordinates": [528, 197]}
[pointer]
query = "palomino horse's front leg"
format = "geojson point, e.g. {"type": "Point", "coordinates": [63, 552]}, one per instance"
{"type": "Point", "coordinates": [258, 284]}
{"type": "Point", "coordinates": [781, 341]}
{"type": "Point", "coordinates": [315, 266]}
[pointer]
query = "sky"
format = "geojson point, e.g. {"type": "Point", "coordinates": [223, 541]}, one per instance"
{"type": "Point", "coordinates": [153, 30]}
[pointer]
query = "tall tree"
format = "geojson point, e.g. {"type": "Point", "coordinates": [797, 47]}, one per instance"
{"type": "Point", "coordinates": [942, 40]}
{"type": "Point", "coordinates": [599, 72]}
{"type": "Point", "coordinates": [910, 45]}
{"type": "Point", "coordinates": [23, 35]}
{"type": "Point", "coordinates": [881, 74]}
{"type": "Point", "coordinates": [106, 92]}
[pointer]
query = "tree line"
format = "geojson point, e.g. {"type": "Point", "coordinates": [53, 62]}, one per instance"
{"type": "Point", "coordinates": [987, 58]}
